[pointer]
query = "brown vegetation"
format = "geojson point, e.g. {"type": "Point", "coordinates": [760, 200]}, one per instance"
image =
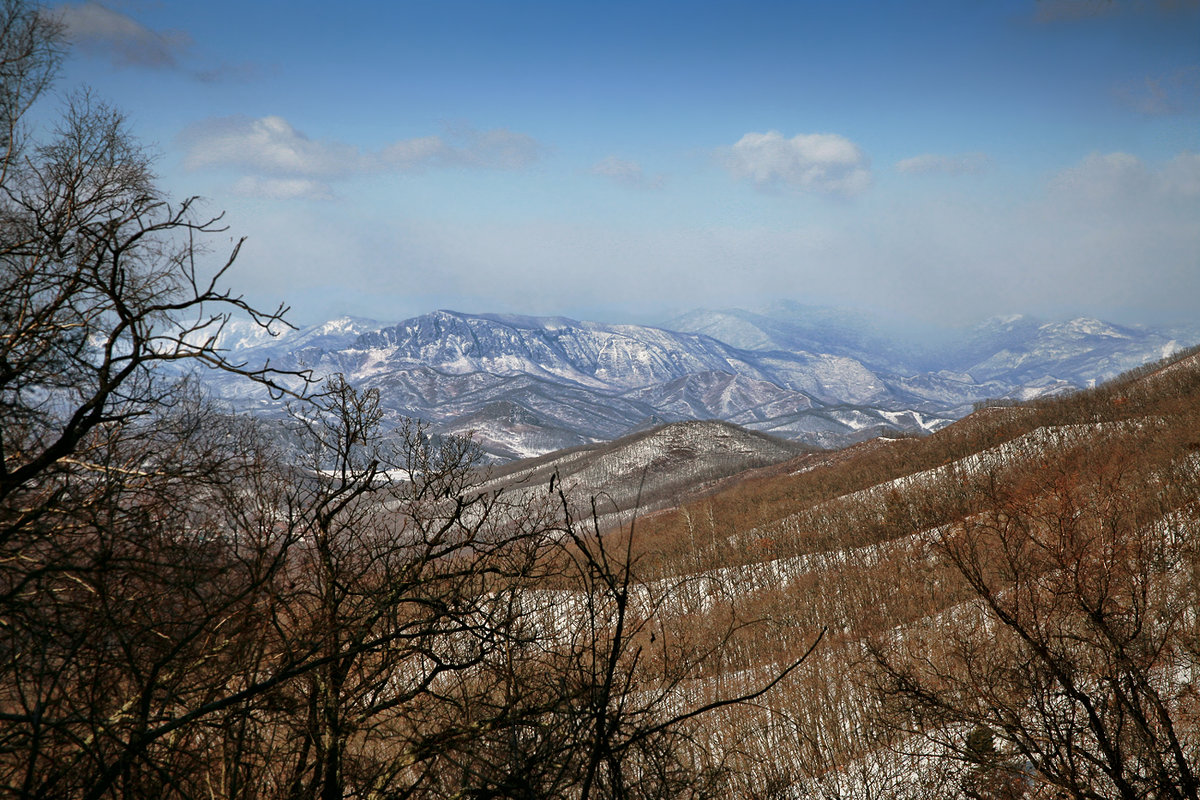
{"type": "Point", "coordinates": [193, 607]}
{"type": "Point", "coordinates": [190, 607]}
{"type": "Point", "coordinates": [1021, 585]}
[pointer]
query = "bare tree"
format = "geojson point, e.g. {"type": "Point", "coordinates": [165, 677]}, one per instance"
{"type": "Point", "coordinates": [1071, 666]}
{"type": "Point", "coordinates": [463, 645]}
{"type": "Point", "coordinates": [122, 583]}
{"type": "Point", "coordinates": [188, 608]}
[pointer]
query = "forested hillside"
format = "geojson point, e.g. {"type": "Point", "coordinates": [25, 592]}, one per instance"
{"type": "Point", "coordinates": [1011, 603]}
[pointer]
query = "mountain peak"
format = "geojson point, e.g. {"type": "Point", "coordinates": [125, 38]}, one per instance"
{"type": "Point", "coordinates": [529, 385]}
{"type": "Point", "coordinates": [1086, 326]}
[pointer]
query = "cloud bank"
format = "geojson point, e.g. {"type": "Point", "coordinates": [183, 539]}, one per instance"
{"type": "Point", "coordinates": [825, 163]}
{"type": "Point", "coordinates": [282, 162]}
{"type": "Point", "coordinates": [1126, 185]}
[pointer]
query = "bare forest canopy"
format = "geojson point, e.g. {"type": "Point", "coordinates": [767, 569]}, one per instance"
{"type": "Point", "coordinates": [198, 604]}
{"type": "Point", "coordinates": [1011, 602]}
{"type": "Point", "coordinates": [190, 609]}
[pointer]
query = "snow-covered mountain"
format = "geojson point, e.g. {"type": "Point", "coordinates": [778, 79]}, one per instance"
{"type": "Point", "coordinates": [239, 335]}
{"type": "Point", "coordinates": [788, 326]}
{"type": "Point", "coordinates": [650, 469]}
{"type": "Point", "coordinates": [1081, 351]}
{"type": "Point", "coordinates": [529, 385]}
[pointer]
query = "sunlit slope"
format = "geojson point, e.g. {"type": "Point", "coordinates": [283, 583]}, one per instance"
{"type": "Point", "coordinates": [1078, 518]}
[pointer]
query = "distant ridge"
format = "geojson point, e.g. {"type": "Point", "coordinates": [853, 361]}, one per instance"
{"type": "Point", "coordinates": [523, 385]}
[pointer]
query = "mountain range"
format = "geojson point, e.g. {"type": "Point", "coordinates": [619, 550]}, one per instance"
{"type": "Point", "coordinates": [524, 386]}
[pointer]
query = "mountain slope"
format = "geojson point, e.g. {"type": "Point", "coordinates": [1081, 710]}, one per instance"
{"type": "Point", "coordinates": [528, 385]}
{"type": "Point", "coordinates": [1005, 568]}
{"type": "Point", "coordinates": [650, 469]}
{"type": "Point", "coordinates": [1081, 351]}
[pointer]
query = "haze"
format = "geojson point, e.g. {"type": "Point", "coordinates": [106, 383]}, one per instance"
{"type": "Point", "coordinates": [942, 162]}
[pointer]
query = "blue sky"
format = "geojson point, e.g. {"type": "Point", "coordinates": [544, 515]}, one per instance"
{"type": "Point", "coordinates": [940, 161]}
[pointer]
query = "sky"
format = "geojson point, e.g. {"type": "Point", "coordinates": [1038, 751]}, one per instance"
{"type": "Point", "coordinates": [941, 162]}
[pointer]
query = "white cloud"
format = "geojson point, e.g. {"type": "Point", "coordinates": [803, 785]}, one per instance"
{"type": "Point", "coordinates": [626, 172]}
{"type": "Point", "coordinates": [1102, 177]}
{"type": "Point", "coordinates": [414, 154]}
{"type": "Point", "coordinates": [931, 163]}
{"type": "Point", "coordinates": [1126, 184]}
{"type": "Point", "coordinates": [817, 162]}
{"type": "Point", "coordinates": [498, 148]}
{"type": "Point", "coordinates": [270, 147]}
{"type": "Point", "coordinates": [102, 31]}
{"type": "Point", "coordinates": [1182, 175]}
{"type": "Point", "coordinates": [282, 188]}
